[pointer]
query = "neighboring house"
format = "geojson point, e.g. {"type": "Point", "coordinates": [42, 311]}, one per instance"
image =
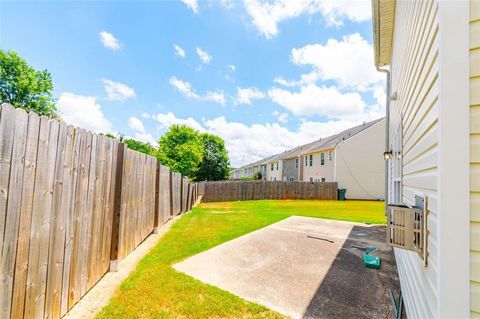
{"type": "Point", "coordinates": [291, 167]}
{"type": "Point", "coordinates": [431, 50]}
{"type": "Point", "coordinates": [352, 158]}
{"type": "Point", "coordinates": [274, 168]}
{"type": "Point", "coordinates": [319, 164]}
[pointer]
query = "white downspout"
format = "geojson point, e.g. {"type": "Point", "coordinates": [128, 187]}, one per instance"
{"type": "Point", "coordinates": [387, 130]}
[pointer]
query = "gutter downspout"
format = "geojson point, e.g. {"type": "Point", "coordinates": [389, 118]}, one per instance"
{"type": "Point", "coordinates": [387, 130]}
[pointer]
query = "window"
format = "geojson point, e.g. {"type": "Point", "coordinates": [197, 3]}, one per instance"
{"type": "Point", "coordinates": [306, 160]}
{"type": "Point", "coordinates": [271, 167]}
{"type": "Point", "coordinates": [330, 155]}
{"type": "Point", "coordinates": [277, 166]}
{"type": "Point", "coordinates": [311, 179]}
{"type": "Point", "coordinates": [396, 168]}
{"type": "Point", "coordinates": [290, 179]}
{"type": "Point", "coordinates": [311, 160]}
{"type": "Point", "coordinates": [322, 159]}
{"type": "Point", "coordinates": [296, 163]}
{"type": "Point", "coordinates": [323, 179]}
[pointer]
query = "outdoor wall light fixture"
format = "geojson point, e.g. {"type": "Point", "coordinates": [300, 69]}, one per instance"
{"type": "Point", "coordinates": [387, 155]}
{"type": "Point", "coordinates": [393, 97]}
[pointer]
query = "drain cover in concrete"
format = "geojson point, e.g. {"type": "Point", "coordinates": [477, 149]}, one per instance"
{"type": "Point", "coordinates": [301, 267]}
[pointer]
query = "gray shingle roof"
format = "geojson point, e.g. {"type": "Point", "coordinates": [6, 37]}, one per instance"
{"type": "Point", "coordinates": [318, 145]}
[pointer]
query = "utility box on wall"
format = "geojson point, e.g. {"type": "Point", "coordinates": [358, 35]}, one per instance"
{"type": "Point", "coordinates": [407, 229]}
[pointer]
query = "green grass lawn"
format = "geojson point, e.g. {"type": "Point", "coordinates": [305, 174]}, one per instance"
{"type": "Point", "coordinates": [156, 290]}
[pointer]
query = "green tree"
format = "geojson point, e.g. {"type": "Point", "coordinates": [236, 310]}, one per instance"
{"type": "Point", "coordinates": [24, 87]}
{"type": "Point", "coordinates": [181, 149]}
{"type": "Point", "coordinates": [139, 146]}
{"type": "Point", "coordinates": [215, 164]}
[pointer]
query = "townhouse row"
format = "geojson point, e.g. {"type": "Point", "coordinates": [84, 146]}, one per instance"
{"type": "Point", "coordinates": [353, 158]}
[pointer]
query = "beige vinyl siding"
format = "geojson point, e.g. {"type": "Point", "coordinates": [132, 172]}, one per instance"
{"type": "Point", "coordinates": [475, 158]}
{"type": "Point", "coordinates": [359, 164]}
{"type": "Point", "coordinates": [414, 71]}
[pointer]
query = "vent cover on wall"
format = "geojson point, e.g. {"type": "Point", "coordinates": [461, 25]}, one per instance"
{"type": "Point", "coordinates": [407, 228]}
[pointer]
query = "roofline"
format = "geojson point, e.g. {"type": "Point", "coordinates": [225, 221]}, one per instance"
{"type": "Point", "coordinates": [289, 153]}
{"type": "Point", "coordinates": [383, 15]}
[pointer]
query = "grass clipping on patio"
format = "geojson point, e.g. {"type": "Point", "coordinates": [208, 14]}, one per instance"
{"type": "Point", "coordinates": [156, 290]}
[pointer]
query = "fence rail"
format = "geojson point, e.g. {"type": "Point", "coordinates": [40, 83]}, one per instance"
{"type": "Point", "coordinates": [71, 201]}
{"type": "Point", "coordinates": [257, 190]}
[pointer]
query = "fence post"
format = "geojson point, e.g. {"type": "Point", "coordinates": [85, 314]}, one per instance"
{"type": "Point", "coordinates": [171, 192]}
{"type": "Point", "coordinates": [117, 205]}
{"type": "Point", "coordinates": [156, 219]}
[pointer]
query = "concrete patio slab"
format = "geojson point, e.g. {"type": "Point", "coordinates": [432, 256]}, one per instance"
{"type": "Point", "coordinates": [303, 268]}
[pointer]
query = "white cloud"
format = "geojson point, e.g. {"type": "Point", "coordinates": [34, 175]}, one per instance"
{"type": "Point", "coordinates": [117, 91]}
{"type": "Point", "coordinates": [214, 96]}
{"type": "Point", "coordinates": [192, 4]}
{"type": "Point", "coordinates": [227, 4]}
{"type": "Point", "coordinates": [266, 15]}
{"type": "Point", "coordinates": [83, 111]}
{"type": "Point", "coordinates": [169, 119]}
{"type": "Point", "coordinates": [136, 124]}
{"type": "Point", "coordinates": [305, 79]}
{"type": "Point", "coordinates": [348, 61]}
{"type": "Point", "coordinates": [186, 89]}
{"type": "Point", "coordinates": [379, 95]}
{"type": "Point", "coordinates": [249, 143]}
{"type": "Point", "coordinates": [145, 137]}
{"type": "Point", "coordinates": [140, 134]}
{"type": "Point", "coordinates": [231, 67]}
{"type": "Point", "coordinates": [109, 41]}
{"type": "Point", "coordinates": [204, 56]}
{"type": "Point", "coordinates": [319, 100]}
{"type": "Point", "coordinates": [281, 117]}
{"type": "Point", "coordinates": [246, 95]}
{"type": "Point", "coordinates": [179, 51]}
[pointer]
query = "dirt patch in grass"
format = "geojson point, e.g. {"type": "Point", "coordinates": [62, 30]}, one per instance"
{"type": "Point", "coordinates": [227, 212]}
{"type": "Point", "coordinates": [219, 205]}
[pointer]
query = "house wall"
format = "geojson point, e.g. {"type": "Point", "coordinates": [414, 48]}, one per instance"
{"type": "Point", "coordinates": [359, 163]}
{"type": "Point", "coordinates": [318, 171]}
{"type": "Point", "coordinates": [414, 76]}
{"type": "Point", "coordinates": [263, 171]}
{"type": "Point", "coordinates": [475, 158]}
{"type": "Point", "coordinates": [290, 169]}
{"type": "Point", "coordinates": [276, 174]}
{"type": "Point", "coordinates": [429, 119]}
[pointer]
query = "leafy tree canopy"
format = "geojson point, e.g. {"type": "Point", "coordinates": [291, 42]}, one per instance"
{"type": "Point", "coordinates": [24, 87]}
{"type": "Point", "coordinates": [139, 146]}
{"type": "Point", "coordinates": [181, 149]}
{"type": "Point", "coordinates": [215, 164]}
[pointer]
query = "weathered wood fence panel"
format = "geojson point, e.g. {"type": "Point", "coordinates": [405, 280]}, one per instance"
{"type": "Point", "coordinates": [55, 213]}
{"type": "Point", "coordinates": [258, 190]}
{"type": "Point", "coordinates": [71, 201]}
{"type": "Point", "coordinates": [138, 200]}
{"type": "Point", "coordinates": [164, 195]}
{"type": "Point", "coordinates": [184, 195]}
{"type": "Point", "coordinates": [176, 193]}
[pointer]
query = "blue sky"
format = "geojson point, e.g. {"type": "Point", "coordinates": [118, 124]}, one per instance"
{"type": "Point", "coordinates": [265, 76]}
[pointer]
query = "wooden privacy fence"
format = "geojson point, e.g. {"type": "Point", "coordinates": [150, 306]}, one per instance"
{"type": "Point", "coordinates": [138, 200]}
{"type": "Point", "coordinates": [71, 201]}
{"type": "Point", "coordinates": [256, 190]}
